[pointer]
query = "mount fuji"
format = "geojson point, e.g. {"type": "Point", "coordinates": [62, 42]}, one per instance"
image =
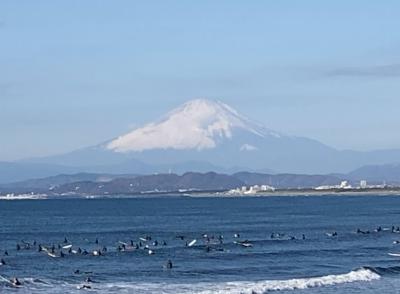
{"type": "Point", "coordinates": [203, 135]}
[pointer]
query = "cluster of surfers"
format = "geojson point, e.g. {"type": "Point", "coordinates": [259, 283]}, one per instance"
{"type": "Point", "coordinates": [147, 243]}
{"type": "Point", "coordinates": [66, 248]}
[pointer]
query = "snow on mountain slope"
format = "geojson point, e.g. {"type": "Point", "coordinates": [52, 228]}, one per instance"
{"type": "Point", "coordinates": [198, 124]}
{"type": "Point", "coordinates": [203, 135]}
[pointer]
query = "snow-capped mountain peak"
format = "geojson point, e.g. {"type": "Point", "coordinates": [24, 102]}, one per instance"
{"type": "Point", "coordinates": [198, 124]}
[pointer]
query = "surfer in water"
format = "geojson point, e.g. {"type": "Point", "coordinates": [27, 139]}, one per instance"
{"type": "Point", "coordinates": [2, 262]}
{"type": "Point", "coordinates": [168, 265]}
{"type": "Point", "coordinates": [83, 287]}
{"type": "Point", "coordinates": [15, 282]}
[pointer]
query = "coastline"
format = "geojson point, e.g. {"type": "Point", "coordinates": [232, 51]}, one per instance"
{"type": "Point", "coordinates": [313, 193]}
{"type": "Point", "coordinates": [216, 194]}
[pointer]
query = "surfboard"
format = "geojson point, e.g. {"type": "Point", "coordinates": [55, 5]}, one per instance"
{"type": "Point", "coordinates": [143, 239]}
{"type": "Point", "coordinates": [67, 246]}
{"type": "Point", "coordinates": [192, 243]}
{"type": "Point", "coordinates": [246, 244]}
{"type": "Point", "coordinates": [394, 254]}
{"type": "Point", "coordinates": [51, 254]}
{"type": "Point", "coordinates": [9, 283]}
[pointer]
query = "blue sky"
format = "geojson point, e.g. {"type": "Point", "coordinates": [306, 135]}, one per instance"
{"type": "Point", "coordinates": [76, 73]}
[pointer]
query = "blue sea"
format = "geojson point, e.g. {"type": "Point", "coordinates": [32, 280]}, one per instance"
{"type": "Point", "coordinates": [277, 257]}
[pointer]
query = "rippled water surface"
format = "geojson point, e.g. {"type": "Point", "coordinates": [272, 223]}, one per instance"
{"type": "Point", "coordinates": [350, 262]}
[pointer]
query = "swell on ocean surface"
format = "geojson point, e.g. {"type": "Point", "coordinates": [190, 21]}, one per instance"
{"type": "Point", "coordinates": [320, 263]}
{"type": "Point", "coordinates": [239, 287]}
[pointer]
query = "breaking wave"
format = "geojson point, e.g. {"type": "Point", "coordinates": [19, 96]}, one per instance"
{"type": "Point", "coordinates": [360, 275]}
{"type": "Point", "coordinates": [365, 274]}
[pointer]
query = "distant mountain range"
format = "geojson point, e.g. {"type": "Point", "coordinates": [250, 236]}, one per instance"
{"type": "Point", "coordinates": [389, 173]}
{"type": "Point", "coordinates": [201, 135]}
{"type": "Point", "coordinates": [283, 181]}
{"type": "Point", "coordinates": [127, 184]}
{"type": "Point", "coordinates": [103, 184]}
{"type": "Point", "coordinates": [154, 184]}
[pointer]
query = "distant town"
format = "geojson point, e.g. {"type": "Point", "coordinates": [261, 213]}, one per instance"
{"type": "Point", "coordinates": [189, 184]}
{"type": "Point", "coordinates": [341, 187]}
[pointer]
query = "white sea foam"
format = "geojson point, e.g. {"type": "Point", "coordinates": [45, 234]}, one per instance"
{"type": "Point", "coordinates": [244, 287]}
{"type": "Point", "coordinates": [239, 287]}
{"type": "Point", "coordinates": [361, 275]}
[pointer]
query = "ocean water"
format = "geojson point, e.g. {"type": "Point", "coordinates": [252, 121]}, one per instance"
{"type": "Point", "coordinates": [347, 263]}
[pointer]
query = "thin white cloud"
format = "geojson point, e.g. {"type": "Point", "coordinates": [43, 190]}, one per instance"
{"type": "Point", "coordinates": [387, 70]}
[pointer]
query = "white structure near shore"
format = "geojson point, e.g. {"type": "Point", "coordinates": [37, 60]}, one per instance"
{"type": "Point", "coordinates": [342, 185]}
{"type": "Point", "coordinates": [345, 185]}
{"type": "Point", "coordinates": [244, 190]}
